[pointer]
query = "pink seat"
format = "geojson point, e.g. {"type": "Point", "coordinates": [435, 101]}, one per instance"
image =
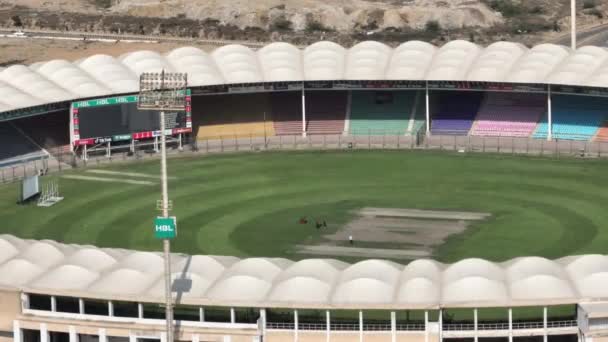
{"type": "Point", "coordinates": [509, 115]}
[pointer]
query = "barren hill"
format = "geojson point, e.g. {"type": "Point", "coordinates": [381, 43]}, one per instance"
{"type": "Point", "coordinates": [341, 15]}
{"type": "Point", "coordinates": [306, 21]}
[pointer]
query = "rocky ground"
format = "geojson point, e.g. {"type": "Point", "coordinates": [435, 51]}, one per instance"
{"type": "Point", "coordinates": [28, 51]}
{"type": "Point", "coordinates": [340, 15]}
{"type": "Point", "coordinates": [298, 21]}
{"type": "Point", "coordinates": [305, 21]}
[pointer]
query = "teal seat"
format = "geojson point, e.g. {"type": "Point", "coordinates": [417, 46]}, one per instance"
{"type": "Point", "coordinates": [381, 113]}
{"type": "Point", "coordinates": [574, 117]}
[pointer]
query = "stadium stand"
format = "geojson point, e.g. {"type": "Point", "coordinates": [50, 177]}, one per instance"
{"type": "Point", "coordinates": [455, 112]}
{"type": "Point", "coordinates": [287, 112]}
{"type": "Point", "coordinates": [51, 131]}
{"type": "Point", "coordinates": [15, 145]}
{"type": "Point", "coordinates": [326, 112]}
{"type": "Point", "coordinates": [574, 117]}
{"type": "Point", "coordinates": [381, 112]}
{"type": "Point", "coordinates": [602, 133]}
{"type": "Point", "coordinates": [509, 114]}
{"type": "Point", "coordinates": [419, 118]}
{"type": "Point", "coordinates": [232, 116]}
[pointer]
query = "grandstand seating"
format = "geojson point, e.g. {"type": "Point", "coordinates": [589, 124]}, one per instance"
{"type": "Point", "coordinates": [509, 114]}
{"type": "Point", "coordinates": [602, 133]}
{"type": "Point", "coordinates": [326, 112]}
{"type": "Point", "coordinates": [286, 110]}
{"type": "Point", "coordinates": [381, 112]}
{"type": "Point", "coordinates": [232, 116]}
{"type": "Point", "coordinates": [574, 117]}
{"type": "Point", "coordinates": [420, 115]}
{"type": "Point", "coordinates": [51, 131]}
{"type": "Point", "coordinates": [455, 112]}
{"type": "Point", "coordinates": [15, 145]}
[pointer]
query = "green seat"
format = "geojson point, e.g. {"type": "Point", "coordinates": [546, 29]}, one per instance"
{"type": "Point", "coordinates": [381, 112]}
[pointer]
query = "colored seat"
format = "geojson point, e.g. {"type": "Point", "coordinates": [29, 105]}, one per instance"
{"type": "Point", "coordinates": [381, 112]}
{"type": "Point", "coordinates": [455, 112]}
{"type": "Point", "coordinates": [574, 117]}
{"type": "Point", "coordinates": [419, 115]}
{"type": "Point", "coordinates": [326, 112]}
{"type": "Point", "coordinates": [602, 133]}
{"type": "Point", "coordinates": [286, 110]}
{"type": "Point", "coordinates": [509, 115]}
{"type": "Point", "coordinates": [232, 116]}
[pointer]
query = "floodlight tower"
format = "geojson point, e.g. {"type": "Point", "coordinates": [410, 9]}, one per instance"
{"type": "Point", "coordinates": [573, 24]}
{"type": "Point", "coordinates": [164, 92]}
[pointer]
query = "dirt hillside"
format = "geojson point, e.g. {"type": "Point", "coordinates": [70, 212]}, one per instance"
{"type": "Point", "coordinates": [305, 21]}
{"type": "Point", "coordinates": [340, 15]}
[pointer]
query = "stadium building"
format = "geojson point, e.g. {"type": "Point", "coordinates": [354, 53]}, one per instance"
{"type": "Point", "coordinates": [57, 292]}
{"type": "Point", "coordinates": [416, 94]}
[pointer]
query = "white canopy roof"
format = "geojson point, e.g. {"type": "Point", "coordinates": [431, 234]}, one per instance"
{"type": "Point", "coordinates": [101, 75]}
{"type": "Point", "coordinates": [118, 274]}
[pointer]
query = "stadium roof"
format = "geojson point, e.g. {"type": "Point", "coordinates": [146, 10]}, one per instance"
{"type": "Point", "coordinates": [101, 75]}
{"type": "Point", "coordinates": [117, 274]}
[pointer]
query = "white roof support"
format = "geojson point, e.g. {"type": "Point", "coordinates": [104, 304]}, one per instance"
{"type": "Point", "coordinates": [119, 275]}
{"type": "Point", "coordinates": [102, 75]}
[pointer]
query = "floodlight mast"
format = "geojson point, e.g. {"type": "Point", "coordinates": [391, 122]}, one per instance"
{"type": "Point", "coordinates": [573, 24]}
{"type": "Point", "coordinates": [161, 92]}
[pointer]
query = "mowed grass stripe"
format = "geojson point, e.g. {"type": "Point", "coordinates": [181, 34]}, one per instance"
{"type": "Point", "coordinates": [83, 209]}
{"type": "Point", "coordinates": [246, 204]}
{"type": "Point", "coordinates": [33, 222]}
{"type": "Point", "coordinates": [191, 197]}
{"type": "Point", "coordinates": [533, 229]}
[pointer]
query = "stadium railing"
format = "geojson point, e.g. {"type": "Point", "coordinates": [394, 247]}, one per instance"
{"type": "Point", "coordinates": [344, 326]}
{"type": "Point", "coordinates": [64, 160]}
{"type": "Point", "coordinates": [515, 325]}
{"type": "Point", "coordinates": [421, 327]}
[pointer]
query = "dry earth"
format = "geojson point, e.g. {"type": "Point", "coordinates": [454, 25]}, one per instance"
{"type": "Point", "coordinates": [416, 232]}
{"type": "Point", "coordinates": [302, 22]}
{"type": "Point", "coordinates": [28, 51]}
{"type": "Point", "coordinates": [342, 15]}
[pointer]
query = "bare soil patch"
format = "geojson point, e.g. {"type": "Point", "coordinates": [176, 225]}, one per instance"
{"type": "Point", "coordinates": [354, 252]}
{"type": "Point", "coordinates": [28, 51]}
{"type": "Point", "coordinates": [394, 233]}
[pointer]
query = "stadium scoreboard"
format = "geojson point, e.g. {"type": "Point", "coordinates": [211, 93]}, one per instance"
{"type": "Point", "coordinates": [114, 119]}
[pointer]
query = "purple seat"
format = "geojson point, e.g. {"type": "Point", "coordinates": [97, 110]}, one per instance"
{"type": "Point", "coordinates": [455, 113]}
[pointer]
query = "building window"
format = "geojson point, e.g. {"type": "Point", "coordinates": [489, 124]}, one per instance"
{"type": "Point", "coordinates": [154, 311]}
{"type": "Point", "coordinates": [277, 318]}
{"type": "Point", "coordinates": [413, 319]}
{"type": "Point", "coordinates": [40, 302]}
{"type": "Point", "coordinates": [126, 309]}
{"type": "Point", "coordinates": [312, 319]}
{"type": "Point", "coordinates": [344, 319]}
{"type": "Point", "coordinates": [58, 337]}
{"type": "Point", "coordinates": [96, 307]}
{"type": "Point", "coordinates": [187, 313]}
{"type": "Point", "coordinates": [67, 304]}
{"type": "Point", "coordinates": [217, 314]}
{"type": "Point", "coordinates": [246, 315]}
{"type": "Point", "coordinates": [279, 315]}
{"type": "Point", "coordinates": [30, 335]}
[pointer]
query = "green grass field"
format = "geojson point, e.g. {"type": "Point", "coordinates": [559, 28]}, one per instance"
{"type": "Point", "coordinates": [249, 204]}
